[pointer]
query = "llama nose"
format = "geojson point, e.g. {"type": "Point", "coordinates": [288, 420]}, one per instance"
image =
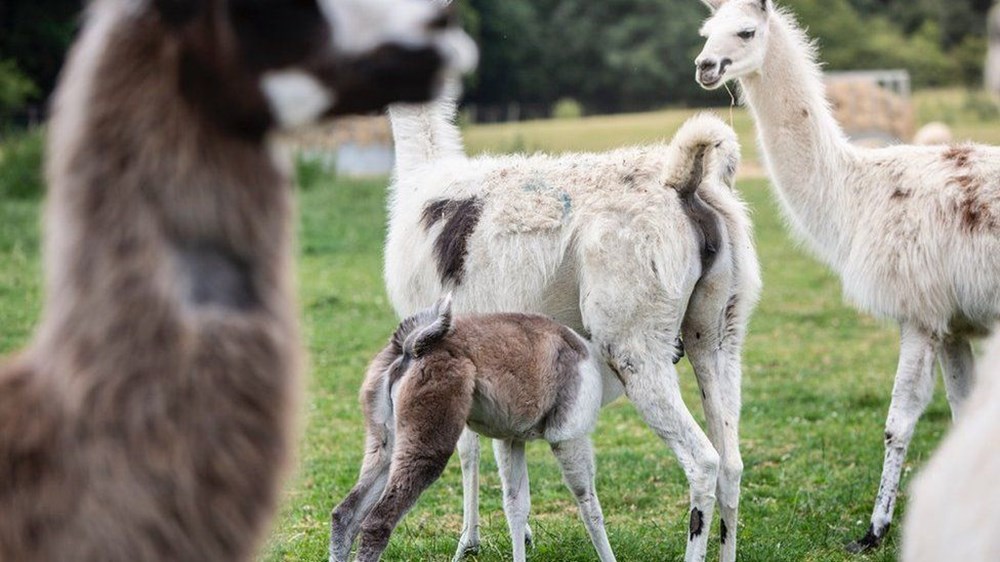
{"type": "Point", "coordinates": [706, 65]}
{"type": "Point", "coordinates": [724, 64]}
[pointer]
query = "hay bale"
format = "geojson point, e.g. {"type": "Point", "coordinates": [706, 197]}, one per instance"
{"type": "Point", "coordinates": [866, 110]}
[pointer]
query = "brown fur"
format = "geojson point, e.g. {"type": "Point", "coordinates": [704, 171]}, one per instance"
{"type": "Point", "coordinates": [153, 415]}
{"type": "Point", "coordinates": [959, 155]}
{"type": "Point", "coordinates": [526, 364]}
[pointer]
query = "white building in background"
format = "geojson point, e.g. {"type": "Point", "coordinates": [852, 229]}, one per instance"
{"type": "Point", "coordinates": [354, 147]}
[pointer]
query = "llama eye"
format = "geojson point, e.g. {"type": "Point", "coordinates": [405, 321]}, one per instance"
{"type": "Point", "coordinates": [746, 34]}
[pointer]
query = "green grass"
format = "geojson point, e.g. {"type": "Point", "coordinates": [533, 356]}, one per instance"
{"type": "Point", "coordinates": [817, 381]}
{"type": "Point", "coordinates": [816, 389]}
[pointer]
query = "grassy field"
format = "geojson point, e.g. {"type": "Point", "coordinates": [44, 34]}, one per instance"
{"type": "Point", "coordinates": [969, 114]}
{"type": "Point", "coordinates": [816, 389]}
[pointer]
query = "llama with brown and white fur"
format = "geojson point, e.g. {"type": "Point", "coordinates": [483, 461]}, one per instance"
{"type": "Point", "coordinates": [631, 247]}
{"type": "Point", "coordinates": [953, 511]}
{"type": "Point", "coordinates": [913, 231]}
{"type": "Point", "coordinates": [152, 416]}
{"type": "Point", "coordinates": [513, 377]}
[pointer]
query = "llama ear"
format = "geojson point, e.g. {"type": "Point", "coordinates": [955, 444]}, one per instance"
{"type": "Point", "coordinates": [765, 5]}
{"type": "Point", "coordinates": [714, 4]}
{"type": "Point", "coordinates": [443, 306]}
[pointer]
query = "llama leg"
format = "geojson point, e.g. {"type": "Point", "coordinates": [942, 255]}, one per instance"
{"type": "Point", "coordinates": [716, 356]}
{"type": "Point", "coordinates": [468, 452]}
{"type": "Point", "coordinates": [651, 384]}
{"type": "Point", "coordinates": [719, 372]}
{"type": "Point", "coordinates": [346, 519]}
{"type": "Point", "coordinates": [345, 522]}
{"type": "Point", "coordinates": [516, 495]}
{"type": "Point", "coordinates": [713, 332]}
{"type": "Point", "coordinates": [414, 469]}
{"type": "Point", "coordinates": [430, 412]}
{"type": "Point", "coordinates": [958, 368]}
{"type": "Point", "coordinates": [576, 458]}
{"type": "Point", "coordinates": [911, 393]}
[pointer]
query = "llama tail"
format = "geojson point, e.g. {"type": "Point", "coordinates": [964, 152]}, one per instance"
{"type": "Point", "coordinates": [426, 133]}
{"type": "Point", "coordinates": [421, 332]}
{"type": "Point", "coordinates": [705, 148]}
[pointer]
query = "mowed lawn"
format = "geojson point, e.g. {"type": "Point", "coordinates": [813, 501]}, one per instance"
{"type": "Point", "coordinates": [816, 388]}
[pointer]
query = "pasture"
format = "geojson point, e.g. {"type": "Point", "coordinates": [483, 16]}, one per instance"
{"type": "Point", "coordinates": [817, 379]}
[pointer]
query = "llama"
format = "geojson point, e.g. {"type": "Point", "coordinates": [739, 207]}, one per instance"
{"type": "Point", "coordinates": [953, 512]}
{"type": "Point", "coordinates": [514, 377]}
{"type": "Point", "coordinates": [913, 231]}
{"type": "Point", "coordinates": [631, 247]}
{"type": "Point", "coordinates": [153, 415]}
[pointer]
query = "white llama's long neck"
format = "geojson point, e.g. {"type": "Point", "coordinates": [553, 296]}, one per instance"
{"type": "Point", "coordinates": [805, 150]}
{"type": "Point", "coordinates": [424, 133]}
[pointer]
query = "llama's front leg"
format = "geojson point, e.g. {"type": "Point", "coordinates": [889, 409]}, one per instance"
{"type": "Point", "coordinates": [468, 453]}
{"type": "Point", "coordinates": [651, 384]}
{"type": "Point", "coordinates": [958, 368]}
{"type": "Point", "coordinates": [516, 494]}
{"type": "Point", "coordinates": [576, 458]}
{"type": "Point", "coordinates": [346, 519]}
{"type": "Point", "coordinates": [911, 393]}
{"type": "Point", "coordinates": [414, 470]}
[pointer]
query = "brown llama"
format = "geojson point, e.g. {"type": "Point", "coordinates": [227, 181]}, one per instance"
{"type": "Point", "coordinates": [513, 377]}
{"type": "Point", "coordinates": [152, 417]}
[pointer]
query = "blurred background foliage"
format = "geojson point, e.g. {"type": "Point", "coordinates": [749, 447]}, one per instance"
{"type": "Point", "coordinates": [609, 56]}
{"type": "Point", "coordinates": [627, 55]}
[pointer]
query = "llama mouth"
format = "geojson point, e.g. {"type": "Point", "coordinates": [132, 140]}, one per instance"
{"type": "Point", "coordinates": [710, 83]}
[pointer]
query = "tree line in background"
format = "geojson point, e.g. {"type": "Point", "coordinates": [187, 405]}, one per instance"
{"type": "Point", "coordinates": [627, 55]}
{"type": "Point", "coordinates": [609, 56]}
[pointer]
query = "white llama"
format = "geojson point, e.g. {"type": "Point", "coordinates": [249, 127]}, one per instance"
{"type": "Point", "coordinates": [913, 231]}
{"type": "Point", "coordinates": [632, 247]}
{"type": "Point", "coordinates": [953, 512]}
{"type": "Point", "coordinates": [514, 377]}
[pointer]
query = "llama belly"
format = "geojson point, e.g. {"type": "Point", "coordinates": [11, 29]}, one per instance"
{"type": "Point", "coordinates": [937, 288]}
{"type": "Point", "coordinates": [492, 419]}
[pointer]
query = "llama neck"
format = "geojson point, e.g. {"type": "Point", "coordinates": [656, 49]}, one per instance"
{"type": "Point", "coordinates": [424, 133]}
{"type": "Point", "coordinates": [152, 212]}
{"type": "Point", "coordinates": [804, 148]}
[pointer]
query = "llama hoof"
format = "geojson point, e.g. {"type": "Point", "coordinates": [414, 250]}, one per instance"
{"type": "Point", "coordinates": [866, 543]}
{"type": "Point", "coordinates": [467, 546]}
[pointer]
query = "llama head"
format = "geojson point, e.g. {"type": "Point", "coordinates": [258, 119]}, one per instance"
{"type": "Point", "coordinates": [296, 61]}
{"type": "Point", "coordinates": [735, 41]}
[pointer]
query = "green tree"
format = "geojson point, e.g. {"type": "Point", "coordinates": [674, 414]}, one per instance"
{"type": "Point", "coordinates": [15, 89]}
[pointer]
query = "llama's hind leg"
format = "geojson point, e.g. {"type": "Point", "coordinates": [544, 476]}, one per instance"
{"type": "Point", "coordinates": [911, 392]}
{"type": "Point", "coordinates": [714, 329]}
{"type": "Point", "coordinates": [651, 384]}
{"type": "Point", "coordinates": [513, 469]}
{"type": "Point", "coordinates": [957, 365]}
{"type": "Point", "coordinates": [468, 452]}
{"type": "Point", "coordinates": [718, 371]}
{"type": "Point", "coordinates": [576, 458]}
